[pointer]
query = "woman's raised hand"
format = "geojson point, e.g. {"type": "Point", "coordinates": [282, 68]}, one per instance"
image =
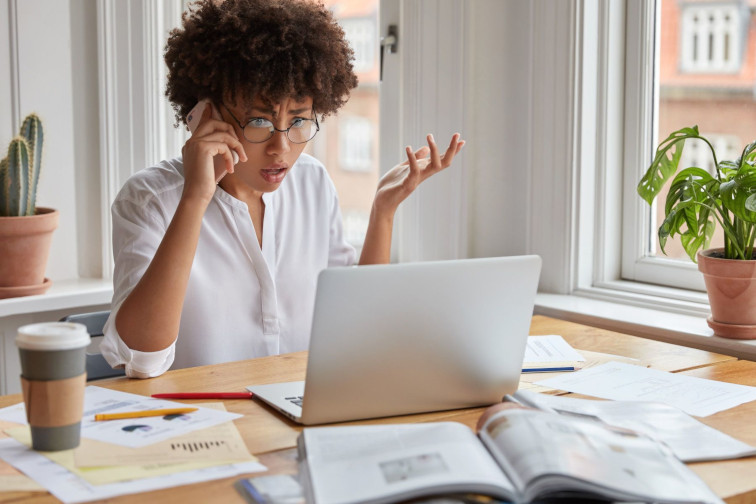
{"type": "Point", "coordinates": [399, 182]}
{"type": "Point", "coordinates": [213, 137]}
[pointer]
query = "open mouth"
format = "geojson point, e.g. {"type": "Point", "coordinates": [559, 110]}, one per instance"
{"type": "Point", "coordinates": [273, 175]}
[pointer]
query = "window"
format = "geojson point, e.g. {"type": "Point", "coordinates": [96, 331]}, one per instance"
{"type": "Point", "coordinates": [361, 35]}
{"type": "Point", "coordinates": [347, 142]}
{"type": "Point", "coordinates": [710, 36]}
{"type": "Point", "coordinates": [356, 144]}
{"type": "Point", "coordinates": [721, 103]}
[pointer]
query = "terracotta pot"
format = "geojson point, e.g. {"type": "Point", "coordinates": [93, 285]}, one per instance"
{"type": "Point", "coordinates": [731, 286]}
{"type": "Point", "coordinates": [24, 249]}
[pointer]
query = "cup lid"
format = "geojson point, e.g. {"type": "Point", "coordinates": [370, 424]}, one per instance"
{"type": "Point", "coordinates": [52, 336]}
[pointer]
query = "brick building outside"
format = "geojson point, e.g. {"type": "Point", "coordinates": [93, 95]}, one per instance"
{"type": "Point", "coordinates": [707, 77]}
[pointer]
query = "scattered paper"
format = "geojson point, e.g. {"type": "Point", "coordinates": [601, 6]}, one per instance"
{"type": "Point", "coordinates": [551, 348]}
{"type": "Point", "coordinates": [689, 439]}
{"type": "Point", "coordinates": [620, 381]}
{"type": "Point", "coordinates": [70, 488]}
{"type": "Point", "coordinates": [15, 414]}
{"type": "Point", "coordinates": [133, 432]}
{"type": "Point", "coordinates": [592, 359]}
{"type": "Point", "coordinates": [218, 443]}
{"type": "Point", "coordinates": [109, 474]}
{"type": "Point", "coordinates": [11, 479]}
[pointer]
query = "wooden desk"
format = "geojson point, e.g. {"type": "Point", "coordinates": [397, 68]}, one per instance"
{"type": "Point", "coordinates": [272, 437]}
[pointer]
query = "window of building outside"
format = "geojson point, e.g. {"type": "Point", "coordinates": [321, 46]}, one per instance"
{"type": "Point", "coordinates": [712, 36]}
{"type": "Point", "coordinates": [704, 81]}
{"type": "Point", "coordinates": [356, 143]}
{"type": "Point", "coordinates": [347, 143]}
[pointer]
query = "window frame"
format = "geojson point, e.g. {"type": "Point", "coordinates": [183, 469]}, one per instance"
{"type": "Point", "coordinates": [603, 220]}
{"type": "Point", "coordinates": [641, 122]}
{"type": "Point", "coordinates": [131, 36]}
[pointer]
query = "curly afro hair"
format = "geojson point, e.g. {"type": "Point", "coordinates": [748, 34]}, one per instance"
{"type": "Point", "coordinates": [271, 49]}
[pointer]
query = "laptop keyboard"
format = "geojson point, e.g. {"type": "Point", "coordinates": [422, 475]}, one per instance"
{"type": "Point", "coordinates": [296, 400]}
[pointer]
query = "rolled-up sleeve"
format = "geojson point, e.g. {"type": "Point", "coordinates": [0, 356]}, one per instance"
{"type": "Point", "coordinates": [139, 223]}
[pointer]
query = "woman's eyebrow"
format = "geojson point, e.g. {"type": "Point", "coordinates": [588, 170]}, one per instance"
{"type": "Point", "coordinates": [273, 113]}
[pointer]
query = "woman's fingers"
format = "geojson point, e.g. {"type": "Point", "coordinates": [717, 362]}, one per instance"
{"type": "Point", "coordinates": [429, 158]}
{"type": "Point", "coordinates": [452, 150]}
{"type": "Point", "coordinates": [435, 158]}
{"type": "Point", "coordinates": [230, 140]}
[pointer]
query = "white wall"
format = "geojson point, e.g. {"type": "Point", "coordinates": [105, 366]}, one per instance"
{"type": "Point", "coordinates": [49, 67]}
{"type": "Point", "coordinates": [499, 105]}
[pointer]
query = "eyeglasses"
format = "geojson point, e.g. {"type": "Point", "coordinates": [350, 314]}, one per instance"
{"type": "Point", "coordinates": [259, 130]}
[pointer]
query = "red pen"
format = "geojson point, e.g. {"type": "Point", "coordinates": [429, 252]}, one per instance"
{"type": "Point", "coordinates": [204, 395]}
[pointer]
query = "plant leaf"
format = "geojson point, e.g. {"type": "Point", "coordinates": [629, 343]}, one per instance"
{"type": "Point", "coordinates": [736, 191]}
{"type": "Point", "coordinates": [673, 223]}
{"type": "Point", "coordinates": [749, 153]}
{"type": "Point", "coordinates": [688, 210]}
{"type": "Point", "coordinates": [750, 202]}
{"type": "Point", "coordinates": [664, 164]}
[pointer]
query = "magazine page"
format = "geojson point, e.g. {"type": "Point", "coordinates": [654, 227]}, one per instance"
{"type": "Point", "coordinates": [689, 439]}
{"type": "Point", "coordinates": [380, 463]}
{"type": "Point", "coordinates": [553, 454]}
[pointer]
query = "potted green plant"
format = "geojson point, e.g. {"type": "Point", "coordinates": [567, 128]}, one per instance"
{"type": "Point", "coordinates": [696, 203]}
{"type": "Point", "coordinates": [25, 229]}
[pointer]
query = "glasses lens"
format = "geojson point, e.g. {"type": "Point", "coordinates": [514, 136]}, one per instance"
{"type": "Point", "coordinates": [258, 133]}
{"type": "Point", "coordinates": [302, 131]}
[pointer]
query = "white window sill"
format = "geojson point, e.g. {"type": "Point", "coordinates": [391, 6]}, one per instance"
{"type": "Point", "coordinates": [63, 295]}
{"type": "Point", "coordinates": [662, 325]}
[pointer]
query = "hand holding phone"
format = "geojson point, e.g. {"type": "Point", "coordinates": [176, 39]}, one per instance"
{"type": "Point", "coordinates": [193, 121]}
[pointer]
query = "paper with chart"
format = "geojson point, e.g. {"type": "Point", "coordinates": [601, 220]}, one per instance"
{"type": "Point", "coordinates": [107, 474]}
{"type": "Point", "coordinates": [70, 488]}
{"type": "Point", "coordinates": [136, 432]}
{"type": "Point", "coordinates": [220, 443]}
{"type": "Point", "coordinates": [625, 382]}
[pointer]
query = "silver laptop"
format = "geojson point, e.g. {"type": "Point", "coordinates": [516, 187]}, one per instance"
{"type": "Point", "coordinates": [406, 338]}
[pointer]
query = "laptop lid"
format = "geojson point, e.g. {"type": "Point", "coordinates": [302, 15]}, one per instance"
{"type": "Point", "coordinates": [415, 337]}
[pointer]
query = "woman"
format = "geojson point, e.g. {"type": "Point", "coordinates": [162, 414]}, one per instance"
{"type": "Point", "coordinates": [230, 269]}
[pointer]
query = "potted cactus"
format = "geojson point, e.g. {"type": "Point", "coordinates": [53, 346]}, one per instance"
{"type": "Point", "coordinates": [25, 229]}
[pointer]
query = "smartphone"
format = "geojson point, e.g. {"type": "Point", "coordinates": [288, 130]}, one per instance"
{"type": "Point", "coordinates": [193, 120]}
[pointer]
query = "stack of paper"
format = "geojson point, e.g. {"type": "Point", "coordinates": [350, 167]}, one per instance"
{"type": "Point", "coordinates": [550, 353]}
{"type": "Point", "coordinates": [553, 352]}
{"type": "Point", "coordinates": [135, 455]}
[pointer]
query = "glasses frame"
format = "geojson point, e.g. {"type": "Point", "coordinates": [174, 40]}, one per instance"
{"type": "Point", "coordinates": [273, 129]}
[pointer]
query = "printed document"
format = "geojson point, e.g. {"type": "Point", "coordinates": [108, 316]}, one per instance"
{"type": "Point", "coordinates": [551, 348]}
{"type": "Point", "coordinates": [625, 382]}
{"type": "Point", "coordinates": [132, 432]}
{"type": "Point", "coordinates": [689, 439]}
{"type": "Point", "coordinates": [70, 488]}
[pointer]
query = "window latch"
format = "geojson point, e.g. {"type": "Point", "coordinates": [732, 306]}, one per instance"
{"type": "Point", "coordinates": [390, 41]}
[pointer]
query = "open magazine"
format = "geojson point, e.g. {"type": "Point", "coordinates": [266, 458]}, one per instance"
{"type": "Point", "coordinates": [520, 455]}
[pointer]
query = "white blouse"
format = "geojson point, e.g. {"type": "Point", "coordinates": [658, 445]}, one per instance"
{"type": "Point", "coordinates": [241, 302]}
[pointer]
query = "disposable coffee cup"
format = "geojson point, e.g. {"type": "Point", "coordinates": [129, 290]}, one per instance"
{"type": "Point", "coordinates": [53, 377]}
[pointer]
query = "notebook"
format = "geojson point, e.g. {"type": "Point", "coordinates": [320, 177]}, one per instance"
{"type": "Point", "coordinates": [406, 338]}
